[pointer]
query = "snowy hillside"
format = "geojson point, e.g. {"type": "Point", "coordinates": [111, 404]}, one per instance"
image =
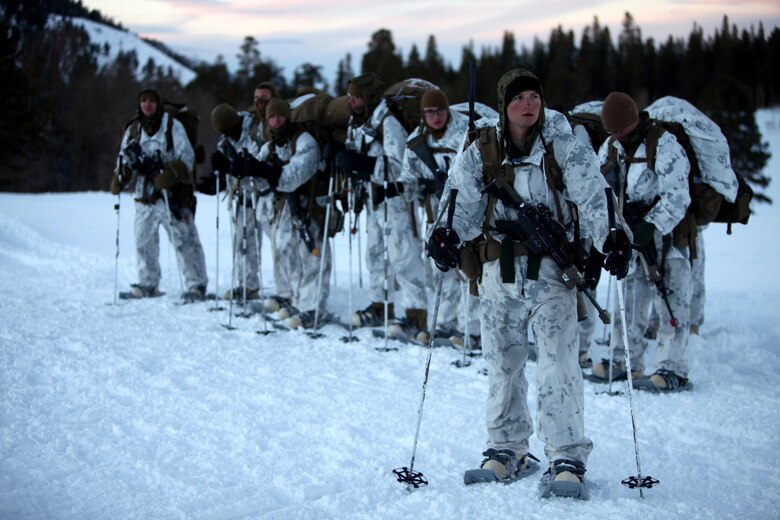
{"type": "Point", "coordinates": [121, 41]}
{"type": "Point", "coordinates": [154, 410]}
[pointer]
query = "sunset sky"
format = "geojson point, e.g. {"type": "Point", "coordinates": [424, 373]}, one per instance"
{"type": "Point", "coordinates": [292, 32]}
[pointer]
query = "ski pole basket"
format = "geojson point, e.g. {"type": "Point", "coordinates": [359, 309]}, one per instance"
{"type": "Point", "coordinates": [410, 477]}
{"type": "Point", "coordinates": [640, 482]}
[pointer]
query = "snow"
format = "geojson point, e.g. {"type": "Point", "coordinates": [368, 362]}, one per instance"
{"type": "Point", "coordinates": [122, 41]}
{"type": "Point", "coordinates": [151, 409]}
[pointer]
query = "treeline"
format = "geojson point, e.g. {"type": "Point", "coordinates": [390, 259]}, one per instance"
{"type": "Point", "coordinates": [62, 113]}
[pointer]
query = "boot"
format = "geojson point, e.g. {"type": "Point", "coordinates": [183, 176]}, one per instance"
{"type": "Point", "coordinates": [564, 478]}
{"type": "Point", "coordinates": [276, 302]}
{"type": "Point", "coordinates": [585, 360]}
{"type": "Point", "coordinates": [373, 315]}
{"type": "Point", "coordinates": [666, 380]}
{"type": "Point", "coordinates": [601, 371]}
{"type": "Point", "coordinates": [143, 291]}
{"type": "Point", "coordinates": [413, 325]}
{"type": "Point", "coordinates": [251, 294]}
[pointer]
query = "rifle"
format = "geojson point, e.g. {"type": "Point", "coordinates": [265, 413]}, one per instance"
{"type": "Point", "coordinates": [137, 160]}
{"type": "Point", "coordinates": [540, 232]}
{"type": "Point", "coordinates": [472, 133]}
{"type": "Point", "coordinates": [649, 258]}
{"type": "Point", "coordinates": [302, 222]}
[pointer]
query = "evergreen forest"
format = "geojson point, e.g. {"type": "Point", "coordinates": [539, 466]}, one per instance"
{"type": "Point", "coordinates": [63, 114]}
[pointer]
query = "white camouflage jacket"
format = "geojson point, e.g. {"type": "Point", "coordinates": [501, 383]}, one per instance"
{"type": "Point", "coordinates": [583, 183]}
{"type": "Point", "coordinates": [363, 139]}
{"type": "Point", "coordinates": [151, 145]}
{"type": "Point", "coordinates": [444, 152]}
{"type": "Point", "coordinates": [299, 167]}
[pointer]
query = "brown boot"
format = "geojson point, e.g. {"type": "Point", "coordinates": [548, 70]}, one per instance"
{"type": "Point", "coordinates": [373, 315]}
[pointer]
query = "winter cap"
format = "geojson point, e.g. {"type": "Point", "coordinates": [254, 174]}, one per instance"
{"type": "Point", "coordinates": [224, 117]}
{"type": "Point", "coordinates": [149, 93]}
{"type": "Point", "coordinates": [525, 81]}
{"type": "Point", "coordinates": [434, 98]}
{"type": "Point", "coordinates": [277, 107]}
{"type": "Point", "coordinates": [619, 111]}
{"type": "Point", "coordinates": [369, 87]}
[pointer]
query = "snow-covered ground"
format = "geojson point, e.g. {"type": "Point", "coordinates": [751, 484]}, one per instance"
{"type": "Point", "coordinates": [151, 409]}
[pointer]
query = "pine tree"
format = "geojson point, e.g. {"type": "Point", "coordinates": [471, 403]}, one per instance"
{"type": "Point", "coordinates": [382, 59]}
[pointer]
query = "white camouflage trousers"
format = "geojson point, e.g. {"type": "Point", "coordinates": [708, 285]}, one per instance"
{"type": "Point", "coordinates": [697, 276]}
{"type": "Point", "coordinates": [640, 297]}
{"type": "Point", "coordinates": [405, 264]}
{"type": "Point", "coordinates": [302, 267]}
{"type": "Point", "coordinates": [183, 235]}
{"type": "Point", "coordinates": [246, 242]}
{"type": "Point", "coordinates": [451, 307]}
{"type": "Point", "coordinates": [506, 311]}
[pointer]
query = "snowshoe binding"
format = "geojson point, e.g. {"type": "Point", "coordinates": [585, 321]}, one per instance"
{"type": "Point", "coordinates": [503, 466]}
{"type": "Point", "coordinates": [564, 478]}
{"type": "Point", "coordinates": [663, 381]}
{"type": "Point", "coordinates": [137, 292]}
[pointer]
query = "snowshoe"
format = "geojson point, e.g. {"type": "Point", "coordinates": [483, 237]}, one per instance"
{"type": "Point", "coordinates": [251, 294]}
{"type": "Point", "coordinates": [195, 294]}
{"type": "Point", "coordinates": [663, 381]}
{"type": "Point", "coordinates": [276, 302]}
{"type": "Point", "coordinates": [503, 466]}
{"type": "Point", "coordinates": [564, 478]}
{"type": "Point", "coordinates": [413, 325]}
{"type": "Point", "coordinates": [373, 315]}
{"type": "Point", "coordinates": [600, 372]}
{"type": "Point", "coordinates": [137, 292]}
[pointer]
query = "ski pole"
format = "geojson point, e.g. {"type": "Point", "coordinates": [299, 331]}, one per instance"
{"type": "Point", "coordinates": [386, 236]}
{"type": "Point", "coordinates": [116, 207]}
{"type": "Point", "coordinates": [313, 333]}
{"type": "Point", "coordinates": [170, 235]}
{"type": "Point", "coordinates": [350, 209]}
{"type": "Point", "coordinates": [216, 275]}
{"type": "Point", "coordinates": [407, 475]}
{"type": "Point", "coordinates": [229, 325]}
{"type": "Point", "coordinates": [636, 481]}
{"type": "Point", "coordinates": [259, 244]}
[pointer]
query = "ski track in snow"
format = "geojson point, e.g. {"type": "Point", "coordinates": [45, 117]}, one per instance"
{"type": "Point", "coordinates": [152, 409]}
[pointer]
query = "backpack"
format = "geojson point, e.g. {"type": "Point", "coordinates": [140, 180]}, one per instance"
{"type": "Point", "coordinates": [403, 101]}
{"type": "Point", "coordinates": [189, 120]}
{"type": "Point", "coordinates": [326, 119]}
{"type": "Point", "coordinates": [718, 194]}
{"type": "Point", "coordinates": [592, 124]}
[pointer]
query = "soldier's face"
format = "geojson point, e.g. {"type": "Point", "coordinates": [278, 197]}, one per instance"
{"type": "Point", "coordinates": [261, 99]}
{"type": "Point", "coordinates": [148, 106]}
{"type": "Point", "coordinates": [523, 109]}
{"type": "Point", "coordinates": [357, 104]}
{"type": "Point", "coordinates": [276, 122]}
{"type": "Point", "coordinates": [435, 117]}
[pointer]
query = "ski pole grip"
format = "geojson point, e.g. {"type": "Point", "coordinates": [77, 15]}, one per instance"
{"type": "Point", "coordinates": [611, 213]}
{"type": "Point", "coordinates": [451, 208]}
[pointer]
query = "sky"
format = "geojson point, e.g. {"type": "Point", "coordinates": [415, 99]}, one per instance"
{"type": "Point", "coordinates": [293, 32]}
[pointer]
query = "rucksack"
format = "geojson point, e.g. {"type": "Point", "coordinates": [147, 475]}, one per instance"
{"type": "Point", "coordinates": [593, 125]}
{"type": "Point", "coordinates": [403, 101]}
{"type": "Point", "coordinates": [708, 151]}
{"type": "Point", "coordinates": [326, 119]}
{"type": "Point", "coordinates": [189, 120]}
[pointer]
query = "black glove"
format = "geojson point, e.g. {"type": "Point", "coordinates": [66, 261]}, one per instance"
{"type": "Point", "coordinates": [618, 254]}
{"type": "Point", "coordinates": [270, 170]}
{"type": "Point", "coordinates": [151, 166]}
{"type": "Point", "coordinates": [237, 166]}
{"type": "Point", "coordinates": [443, 248]}
{"type": "Point", "coordinates": [593, 268]}
{"type": "Point", "coordinates": [252, 167]}
{"type": "Point", "coordinates": [354, 164]}
{"type": "Point", "coordinates": [220, 162]}
{"type": "Point", "coordinates": [379, 194]}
